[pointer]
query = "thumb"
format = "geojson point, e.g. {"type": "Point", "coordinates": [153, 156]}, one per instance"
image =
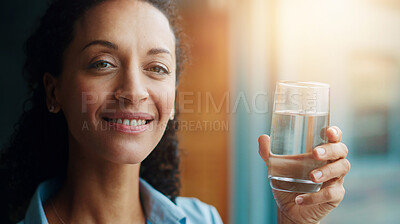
{"type": "Point", "coordinates": [263, 147]}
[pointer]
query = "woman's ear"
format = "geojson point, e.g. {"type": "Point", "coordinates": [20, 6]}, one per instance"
{"type": "Point", "coordinates": [172, 114]}
{"type": "Point", "coordinates": [50, 85]}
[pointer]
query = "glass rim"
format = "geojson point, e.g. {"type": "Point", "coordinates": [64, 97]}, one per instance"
{"type": "Point", "coordinates": [302, 84]}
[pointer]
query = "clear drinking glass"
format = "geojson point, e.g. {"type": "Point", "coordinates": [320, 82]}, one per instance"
{"type": "Point", "coordinates": [299, 123]}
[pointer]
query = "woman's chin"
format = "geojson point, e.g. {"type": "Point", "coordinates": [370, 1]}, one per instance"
{"type": "Point", "coordinates": [125, 155]}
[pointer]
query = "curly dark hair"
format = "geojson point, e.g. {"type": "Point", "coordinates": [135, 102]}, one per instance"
{"type": "Point", "coordinates": [29, 156]}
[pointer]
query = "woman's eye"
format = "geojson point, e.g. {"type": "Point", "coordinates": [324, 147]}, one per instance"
{"type": "Point", "coordinates": [101, 65]}
{"type": "Point", "coordinates": [158, 69]}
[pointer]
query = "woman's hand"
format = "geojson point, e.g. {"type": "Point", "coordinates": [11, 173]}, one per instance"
{"type": "Point", "coordinates": [312, 207]}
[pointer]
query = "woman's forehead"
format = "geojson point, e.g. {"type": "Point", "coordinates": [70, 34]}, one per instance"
{"type": "Point", "coordinates": [127, 23]}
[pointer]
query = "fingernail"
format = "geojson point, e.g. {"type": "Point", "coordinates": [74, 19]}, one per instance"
{"type": "Point", "coordinates": [299, 200]}
{"type": "Point", "coordinates": [334, 131]}
{"type": "Point", "coordinates": [317, 175]}
{"type": "Point", "coordinates": [320, 151]}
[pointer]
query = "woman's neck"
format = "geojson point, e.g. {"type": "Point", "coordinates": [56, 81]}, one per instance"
{"type": "Point", "coordinates": [98, 191]}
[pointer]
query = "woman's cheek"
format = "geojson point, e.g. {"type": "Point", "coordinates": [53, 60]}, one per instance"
{"type": "Point", "coordinates": [168, 102]}
{"type": "Point", "coordinates": [81, 106]}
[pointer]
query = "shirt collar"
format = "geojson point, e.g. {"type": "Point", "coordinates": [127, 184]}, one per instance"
{"type": "Point", "coordinates": [35, 213]}
{"type": "Point", "coordinates": [157, 207]}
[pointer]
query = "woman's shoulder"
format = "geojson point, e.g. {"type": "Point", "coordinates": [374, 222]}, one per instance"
{"type": "Point", "coordinates": [198, 211]}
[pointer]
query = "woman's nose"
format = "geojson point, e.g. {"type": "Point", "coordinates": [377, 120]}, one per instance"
{"type": "Point", "coordinates": [131, 87]}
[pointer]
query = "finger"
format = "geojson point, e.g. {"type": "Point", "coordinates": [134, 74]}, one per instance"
{"type": "Point", "coordinates": [330, 171]}
{"type": "Point", "coordinates": [330, 151]}
{"type": "Point", "coordinates": [333, 195]}
{"type": "Point", "coordinates": [334, 134]}
{"type": "Point", "coordinates": [263, 147]}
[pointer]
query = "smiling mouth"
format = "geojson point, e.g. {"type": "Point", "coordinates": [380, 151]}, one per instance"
{"type": "Point", "coordinates": [128, 122]}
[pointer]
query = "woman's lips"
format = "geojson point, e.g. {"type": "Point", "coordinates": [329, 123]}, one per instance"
{"type": "Point", "coordinates": [128, 115]}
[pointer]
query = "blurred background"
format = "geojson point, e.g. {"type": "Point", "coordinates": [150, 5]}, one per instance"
{"type": "Point", "coordinates": [239, 49]}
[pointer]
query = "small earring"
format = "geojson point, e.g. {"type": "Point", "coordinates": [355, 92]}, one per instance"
{"type": "Point", "coordinates": [172, 115]}
{"type": "Point", "coordinates": [52, 108]}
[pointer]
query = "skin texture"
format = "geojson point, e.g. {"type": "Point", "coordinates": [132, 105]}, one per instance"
{"type": "Point", "coordinates": [135, 73]}
{"type": "Point", "coordinates": [312, 207]}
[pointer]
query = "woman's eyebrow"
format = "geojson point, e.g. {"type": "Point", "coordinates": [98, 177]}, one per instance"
{"type": "Point", "coordinates": [154, 51]}
{"type": "Point", "coordinates": [105, 43]}
{"type": "Point", "coordinates": [113, 46]}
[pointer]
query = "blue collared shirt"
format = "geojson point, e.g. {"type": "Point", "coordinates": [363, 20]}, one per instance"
{"type": "Point", "coordinates": [157, 207]}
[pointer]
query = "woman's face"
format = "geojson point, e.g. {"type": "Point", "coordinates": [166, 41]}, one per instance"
{"type": "Point", "coordinates": [119, 67]}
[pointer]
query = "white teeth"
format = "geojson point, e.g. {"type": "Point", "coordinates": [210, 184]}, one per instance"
{"type": "Point", "coordinates": [126, 122]}
{"type": "Point", "coordinates": [132, 122]}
